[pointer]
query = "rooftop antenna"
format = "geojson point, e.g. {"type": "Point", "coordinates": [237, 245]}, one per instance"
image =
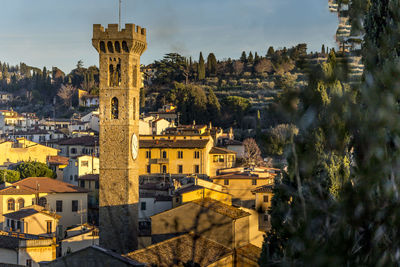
{"type": "Point", "coordinates": [119, 15]}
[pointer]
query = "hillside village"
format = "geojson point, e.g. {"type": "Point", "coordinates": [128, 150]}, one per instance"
{"type": "Point", "coordinates": [202, 180]}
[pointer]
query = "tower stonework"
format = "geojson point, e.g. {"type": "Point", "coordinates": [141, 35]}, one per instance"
{"type": "Point", "coordinates": [120, 82]}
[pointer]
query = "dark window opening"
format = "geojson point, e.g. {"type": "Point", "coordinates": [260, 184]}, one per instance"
{"type": "Point", "coordinates": [59, 206]}
{"type": "Point", "coordinates": [125, 47]}
{"type": "Point", "coordinates": [42, 201]}
{"type": "Point", "coordinates": [74, 205]}
{"type": "Point", "coordinates": [110, 47]}
{"type": "Point", "coordinates": [118, 75]}
{"type": "Point", "coordinates": [102, 47]}
{"type": "Point", "coordinates": [111, 75]}
{"type": "Point", "coordinates": [117, 47]}
{"type": "Point", "coordinates": [21, 203]}
{"type": "Point", "coordinates": [142, 205]}
{"type": "Point", "coordinates": [114, 108]}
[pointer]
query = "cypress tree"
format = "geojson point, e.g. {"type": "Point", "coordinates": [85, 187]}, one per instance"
{"type": "Point", "coordinates": [250, 58]}
{"type": "Point", "coordinates": [211, 64]}
{"type": "Point", "coordinates": [243, 57]}
{"type": "Point", "coordinates": [256, 58]}
{"type": "Point", "coordinates": [270, 52]}
{"type": "Point", "coordinates": [201, 70]}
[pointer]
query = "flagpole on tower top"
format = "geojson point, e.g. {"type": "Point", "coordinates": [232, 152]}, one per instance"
{"type": "Point", "coordinates": [119, 16]}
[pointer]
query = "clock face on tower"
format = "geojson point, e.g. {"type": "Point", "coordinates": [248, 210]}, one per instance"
{"type": "Point", "coordinates": [135, 146]}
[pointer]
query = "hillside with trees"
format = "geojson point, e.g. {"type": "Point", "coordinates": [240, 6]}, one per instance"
{"type": "Point", "coordinates": [38, 90]}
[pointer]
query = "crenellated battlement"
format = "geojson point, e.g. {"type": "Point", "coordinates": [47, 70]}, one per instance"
{"type": "Point", "coordinates": [111, 40]}
{"type": "Point", "coordinates": [131, 31]}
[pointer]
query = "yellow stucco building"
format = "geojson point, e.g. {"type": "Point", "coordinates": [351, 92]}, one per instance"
{"type": "Point", "coordinates": [196, 192]}
{"type": "Point", "coordinates": [68, 201]}
{"type": "Point", "coordinates": [182, 155]}
{"type": "Point", "coordinates": [242, 184]}
{"type": "Point", "coordinates": [24, 150]}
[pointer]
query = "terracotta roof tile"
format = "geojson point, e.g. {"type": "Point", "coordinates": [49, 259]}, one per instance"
{"type": "Point", "coordinates": [264, 189]}
{"type": "Point", "coordinates": [181, 249]}
{"type": "Point", "coordinates": [89, 177]}
{"type": "Point", "coordinates": [220, 150]}
{"type": "Point", "coordinates": [250, 251]}
{"type": "Point", "coordinates": [221, 208]}
{"type": "Point", "coordinates": [57, 160]}
{"type": "Point", "coordinates": [83, 141]}
{"type": "Point", "coordinates": [34, 185]}
{"type": "Point", "coordinates": [187, 189]}
{"type": "Point", "coordinates": [28, 211]}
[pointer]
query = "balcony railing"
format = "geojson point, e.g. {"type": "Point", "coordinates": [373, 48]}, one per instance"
{"type": "Point", "coordinates": [159, 161]}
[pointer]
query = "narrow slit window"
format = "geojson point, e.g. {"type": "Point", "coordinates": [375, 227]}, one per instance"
{"type": "Point", "coordinates": [134, 108]}
{"type": "Point", "coordinates": [118, 75]}
{"type": "Point", "coordinates": [111, 75]}
{"type": "Point", "coordinates": [114, 108]}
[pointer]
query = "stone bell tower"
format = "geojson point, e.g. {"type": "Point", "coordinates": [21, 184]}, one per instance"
{"type": "Point", "coordinates": [120, 82]}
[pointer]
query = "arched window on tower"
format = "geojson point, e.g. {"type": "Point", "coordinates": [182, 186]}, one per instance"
{"type": "Point", "coordinates": [118, 75]}
{"type": "Point", "coordinates": [125, 47]}
{"type": "Point", "coordinates": [111, 75]}
{"type": "Point", "coordinates": [117, 47]}
{"type": "Point", "coordinates": [114, 108]}
{"type": "Point", "coordinates": [110, 47]}
{"type": "Point", "coordinates": [134, 108]}
{"type": "Point", "coordinates": [102, 47]}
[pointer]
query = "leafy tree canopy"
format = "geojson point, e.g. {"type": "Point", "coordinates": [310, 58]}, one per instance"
{"type": "Point", "coordinates": [33, 169]}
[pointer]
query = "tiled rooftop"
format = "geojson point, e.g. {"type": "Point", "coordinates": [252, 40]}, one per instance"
{"type": "Point", "coordinates": [34, 185]}
{"type": "Point", "coordinates": [181, 249]}
{"type": "Point", "coordinates": [221, 208]}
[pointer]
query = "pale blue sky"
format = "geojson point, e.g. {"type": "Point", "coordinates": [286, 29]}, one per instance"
{"type": "Point", "coordinates": [58, 33]}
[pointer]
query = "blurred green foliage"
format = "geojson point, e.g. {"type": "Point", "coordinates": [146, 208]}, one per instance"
{"type": "Point", "coordinates": [337, 205]}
